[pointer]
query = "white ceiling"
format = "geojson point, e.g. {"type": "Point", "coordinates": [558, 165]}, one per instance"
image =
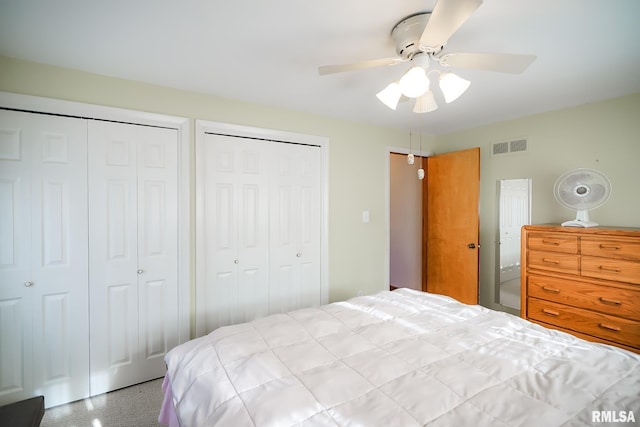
{"type": "Point", "coordinates": [268, 52]}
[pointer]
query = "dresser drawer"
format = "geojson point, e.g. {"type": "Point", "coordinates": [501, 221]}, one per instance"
{"type": "Point", "coordinates": [553, 242]}
{"type": "Point", "coordinates": [610, 269]}
{"type": "Point", "coordinates": [604, 299]}
{"type": "Point", "coordinates": [611, 328]}
{"type": "Point", "coordinates": [611, 248]}
{"type": "Point", "coordinates": [559, 262]}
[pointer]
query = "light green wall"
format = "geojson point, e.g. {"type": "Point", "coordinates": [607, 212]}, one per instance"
{"type": "Point", "coordinates": [603, 136]}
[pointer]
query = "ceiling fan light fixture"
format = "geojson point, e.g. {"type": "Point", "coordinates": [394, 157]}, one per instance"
{"type": "Point", "coordinates": [426, 103]}
{"type": "Point", "coordinates": [414, 83]}
{"type": "Point", "coordinates": [453, 86]}
{"type": "Point", "coordinates": [390, 95]}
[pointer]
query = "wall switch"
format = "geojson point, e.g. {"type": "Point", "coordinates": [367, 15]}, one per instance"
{"type": "Point", "coordinates": [365, 216]}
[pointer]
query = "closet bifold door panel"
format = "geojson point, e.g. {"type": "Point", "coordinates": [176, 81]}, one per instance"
{"type": "Point", "coordinates": [133, 214]}
{"type": "Point", "coordinates": [44, 325]}
{"type": "Point", "coordinates": [294, 227]}
{"type": "Point", "coordinates": [232, 231]}
{"type": "Point", "coordinates": [258, 228]}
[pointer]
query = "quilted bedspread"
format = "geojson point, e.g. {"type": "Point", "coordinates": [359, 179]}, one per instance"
{"type": "Point", "coordinates": [401, 358]}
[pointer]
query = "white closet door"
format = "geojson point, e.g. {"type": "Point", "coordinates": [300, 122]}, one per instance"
{"type": "Point", "coordinates": [16, 300]}
{"type": "Point", "coordinates": [258, 228]}
{"type": "Point", "coordinates": [232, 249]}
{"type": "Point", "coordinates": [44, 335]}
{"type": "Point", "coordinates": [295, 227]}
{"type": "Point", "coordinates": [133, 252]}
{"type": "Point", "coordinates": [157, 248]}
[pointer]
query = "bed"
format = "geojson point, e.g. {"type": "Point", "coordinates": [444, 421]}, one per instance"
{"type": "Point", "coordinates": [401, 358]}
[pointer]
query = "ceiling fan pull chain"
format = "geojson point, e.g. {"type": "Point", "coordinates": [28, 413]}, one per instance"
{"type": "Point", "coordinates": [410, 158]}
{"type": "Point", "coordinates": [421, 170]}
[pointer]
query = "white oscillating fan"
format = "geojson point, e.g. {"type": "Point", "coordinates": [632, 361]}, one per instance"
{"type": "Point", "coordinates": [582, 190]}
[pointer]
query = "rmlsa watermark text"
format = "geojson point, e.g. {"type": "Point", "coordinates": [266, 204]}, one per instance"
{"type": "Point", "coordinates": [613, 417]}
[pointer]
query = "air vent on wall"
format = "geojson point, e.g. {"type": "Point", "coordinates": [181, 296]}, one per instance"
{"type": "Point", "coordinates": [509, 147]}
{"type": "Point", "coordinates": [500, 148]}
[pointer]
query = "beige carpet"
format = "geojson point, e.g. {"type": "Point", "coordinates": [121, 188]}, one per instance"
{"type": "Point", "coordinates": [136, 406]}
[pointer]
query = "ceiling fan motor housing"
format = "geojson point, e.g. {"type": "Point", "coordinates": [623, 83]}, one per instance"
{"type": "Point", "coordinates": [406, 34]}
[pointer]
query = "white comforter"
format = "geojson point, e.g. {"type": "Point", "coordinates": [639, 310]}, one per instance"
{"type": "Point", "coordinates": [402, 358]}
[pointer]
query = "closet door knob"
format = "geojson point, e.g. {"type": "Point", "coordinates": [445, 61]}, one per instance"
{"type": "Point", "coordinates": [236, 261]}
{"type": "Point", "coordinates": [140, 271]}
{"type": "Point", "coordinates": [28, 284]}
{"type": "Point", "coordinates": [471, 245]}
{"type": "Point", "coordinates": [298, 254]}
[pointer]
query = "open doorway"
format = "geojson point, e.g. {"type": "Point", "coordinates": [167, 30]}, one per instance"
{"type": "Point", "coordinates": [444, 259]}
{"type": "Point", "coordinates": [405, 239]}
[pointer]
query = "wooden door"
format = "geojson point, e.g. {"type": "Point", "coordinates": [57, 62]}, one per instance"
{"type": "Point", "coordinates": [452, 224]}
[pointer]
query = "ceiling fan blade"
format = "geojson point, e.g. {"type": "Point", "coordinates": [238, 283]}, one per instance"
{"type": "Point", "coordinates": [332, 69]}
{"type": "Point", "coordinates": [501, 62]}
{"type": "Point", "coordinates": [446, 18]}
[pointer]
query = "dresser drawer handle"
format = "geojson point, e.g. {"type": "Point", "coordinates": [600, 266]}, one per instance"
{"type": "Point", "coordinates": [550, 261]}
{"type": "Point", "coordinates": [605, 246]}
{"type": "Point", "coordinates": [550, 242]}
{"type": "Point", "coordinates": [550, 312]}
{"type": "Point", "coordinates": [609, 327]}
{"type": "Point", "coordinates": [553, 290]}
{"type": "Point", "coordinates": [614, 269]}
{"type": "Point", "coordinates": [610, 301]}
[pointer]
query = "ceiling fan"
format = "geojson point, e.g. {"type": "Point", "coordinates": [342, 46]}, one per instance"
{"type": "Point", "coordinates": [420, 39]}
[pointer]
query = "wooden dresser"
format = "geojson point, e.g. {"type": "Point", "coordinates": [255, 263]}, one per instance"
{"type": "Point", "coordinates": [585, 281]}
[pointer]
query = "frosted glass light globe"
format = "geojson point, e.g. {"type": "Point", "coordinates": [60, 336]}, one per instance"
{"type": "Point", "coordinates": [414, 83]}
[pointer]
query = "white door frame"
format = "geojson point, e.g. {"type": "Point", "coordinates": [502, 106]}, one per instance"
{"type": "Point", "coordinates": [204, 126]}
{"type": "Point", "coordinates": [181, 124]}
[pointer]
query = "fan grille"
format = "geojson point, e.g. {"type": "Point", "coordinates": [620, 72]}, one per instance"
{"type": "Point", "coordinates": [582, 189]}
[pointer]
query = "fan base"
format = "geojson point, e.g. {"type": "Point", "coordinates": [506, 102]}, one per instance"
{"type": "Point", "coordinates": [406, 36]}
{"type": "Point", "coordinates": [579, 223]}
